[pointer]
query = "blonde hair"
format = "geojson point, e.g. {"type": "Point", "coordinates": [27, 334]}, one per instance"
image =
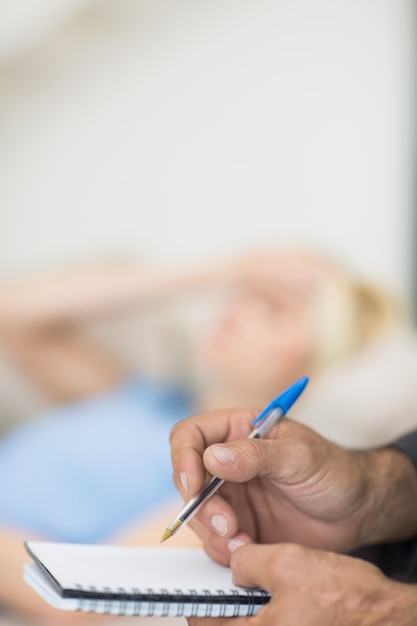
{"type": "Point", "coordinates": [348, 315]}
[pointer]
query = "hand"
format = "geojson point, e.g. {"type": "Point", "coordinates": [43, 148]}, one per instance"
{"type": "Point", "coordinates": [314, 588]}
{"type": "Point", "coordinates": [293, 486]}
{"type": "Point", "coordinates": [292, 272]}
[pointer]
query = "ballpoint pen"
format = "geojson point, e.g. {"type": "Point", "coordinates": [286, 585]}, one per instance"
{"type": "Point", "coordinates": [262, 425]}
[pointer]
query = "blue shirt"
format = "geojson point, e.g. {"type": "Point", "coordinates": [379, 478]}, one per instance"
{"type": "Point", "coordinates": [82, 471]}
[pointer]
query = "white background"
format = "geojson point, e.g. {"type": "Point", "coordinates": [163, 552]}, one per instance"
{"type": "Point", "coordinates": [180, 130]}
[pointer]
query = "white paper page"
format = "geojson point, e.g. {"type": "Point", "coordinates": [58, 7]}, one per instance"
{"type": "Point", "coordinates": [112, 567]}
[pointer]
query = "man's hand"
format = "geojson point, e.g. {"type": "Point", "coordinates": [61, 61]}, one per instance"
{"type": "Point", "coordinates": [294, 486]}
{"type": "Point", "coordinates": [314, 588]}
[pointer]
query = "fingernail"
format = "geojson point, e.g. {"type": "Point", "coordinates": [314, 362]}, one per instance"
{"type": "Point", "coordinates": [225, 456]}
{"type": "Point", "coordinates": [234, 544]}
{"type": "Point", "coordinates": [184, 480]}
{"type": "Point", "coordinates": [219, 523]}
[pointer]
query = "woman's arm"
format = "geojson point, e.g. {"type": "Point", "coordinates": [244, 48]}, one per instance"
{"type": "Point", "coordinates": [39, 315]}
{"type": "Point", "coordinates": [73, 295]}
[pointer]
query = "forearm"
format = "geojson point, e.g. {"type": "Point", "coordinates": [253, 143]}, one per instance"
{"type": "Point", "coordinates": [84, 292]}
{"type": "Point", "coordinates": [391, 503]}
{"type": "Point", "coordinates": [18, 598]}
{"type": "Point", "coordinates": [68, 295]}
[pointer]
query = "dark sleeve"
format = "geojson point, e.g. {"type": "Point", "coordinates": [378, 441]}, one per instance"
{"type": "Point", "coordinates": [408, 445]}
{"type": "Point", "coordinates": [397, 560]}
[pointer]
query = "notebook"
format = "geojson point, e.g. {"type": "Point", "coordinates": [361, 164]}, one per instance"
{"type": "Point", "coordinates": [137, 581]}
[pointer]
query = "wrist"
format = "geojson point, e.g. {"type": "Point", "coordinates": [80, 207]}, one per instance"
{"type": "Point", "coordinates": [390, 503]}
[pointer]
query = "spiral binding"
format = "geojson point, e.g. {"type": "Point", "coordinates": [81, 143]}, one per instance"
{"type": "Point", "coordinates": [163, 603]}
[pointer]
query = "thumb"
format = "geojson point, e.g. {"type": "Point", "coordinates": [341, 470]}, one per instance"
{"type": "Point", "coordinates": [293, 453]}
{"type": "Point", "coordinates": [258, 566]}
{"type": "Point", "coordinates": [242, 460]}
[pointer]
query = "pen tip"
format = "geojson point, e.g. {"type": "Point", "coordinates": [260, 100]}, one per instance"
{"type": "Point", "coordinates": [171, 530]}
{"type": "Point", "coordinates": [167, 534]}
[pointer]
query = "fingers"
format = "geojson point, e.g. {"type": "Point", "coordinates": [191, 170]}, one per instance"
{"type": "Point", "coordinates": [219, 546]}
{"type": "Point", "coordinates": [223, 558]}
{"type": "Point", "coordinates": [190, 437]}
{"type": "Point", "coordinates": [219, 516]}
{"type": "Point", "coordinates": [251, 566]}
{"type": "Point", "coordinates": [291, 454]}
{"type": "Point", "coordinates": [217, 522]}
{"type": "Point", "coordinates": [194, 457]}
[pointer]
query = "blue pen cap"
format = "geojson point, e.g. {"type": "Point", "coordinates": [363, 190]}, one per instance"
{"type": "Point", "coordinates": [286, 399]}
